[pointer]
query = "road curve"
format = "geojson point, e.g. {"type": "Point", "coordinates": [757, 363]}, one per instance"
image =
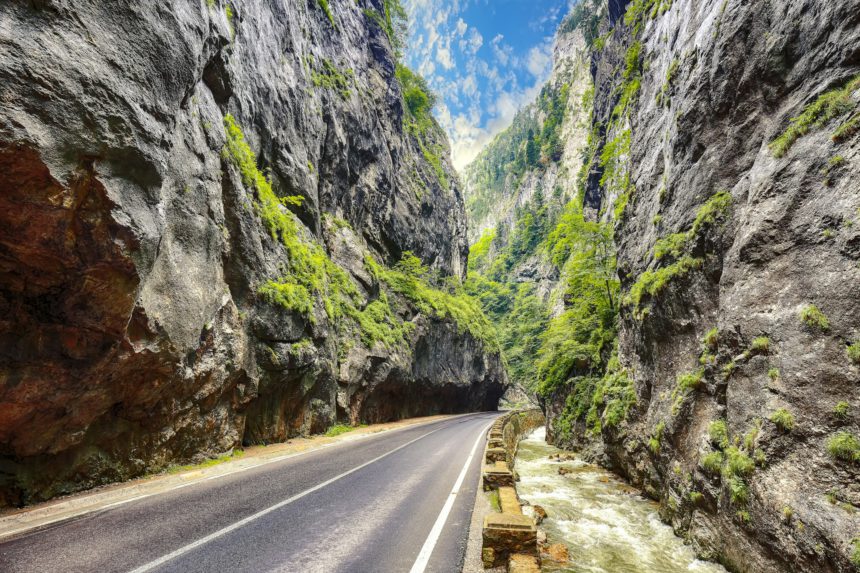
{"type": "Point", "coordinates": [367, 506]}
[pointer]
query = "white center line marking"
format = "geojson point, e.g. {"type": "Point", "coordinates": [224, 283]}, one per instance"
{"type": "Point", "coordinates": [224, 531]}
{"type": "Point", "coordinates": [427, 550]}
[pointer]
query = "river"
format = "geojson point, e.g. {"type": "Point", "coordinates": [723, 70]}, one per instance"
{"type": "Point", "coordinates": [607, 526]}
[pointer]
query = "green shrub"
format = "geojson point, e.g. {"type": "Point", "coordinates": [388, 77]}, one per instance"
{"type": "Point", "coordinates": [690, 380]}
{"type": "Point", "coordinates": [656, 438]}
{"type": "Point", "coordinates": [773, 374]}
{"type": "Point", "coordinates": [847, 129]}
{"type": "Point", "coordinates": [787, 512]}
{"type": "Point", "coordinates": [713, 462]}
{"type": "Point", "coordinates": [673, 245]}
{"type": "Point", "coordinates": [814, 318]}
{"type": "Point", "coordinates": [719, 434]}
{"type": "Point", "coordinates": [713, 210]}
{"type": "Point", "coordinates": [853, 351]}
{"type": "Point", "coordinates": [686, 384]}
{"type": "Point", "coordinates": [783, 419]}
{"type": "Point", "coordinates": [841, 410]}
{"type": "Point", "coordinates": [417, 95]}
{"type": "Point", "coordinates": [843, 446]}
{"type": "Point", "coordinates": [822, 110]}
{"type": "Point", "coordinates": [711, 338]}
{"type": "Point", "coordinates": [760, 345]}
{"type": "Point", "coordinates": [330, 77]}
{"type": "Point", "coordinates": [738, 490]}
{"type": "Point", "coordinates": [751, 436]}
{"type": "Point", "coordinates": [338, 429]}
{"type": "Point", "coordinates": [652, 282]}
{"type": "Point", "coordinates": [738, 463]}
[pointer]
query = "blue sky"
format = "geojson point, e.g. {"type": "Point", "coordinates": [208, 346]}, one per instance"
{"type": "Point", "coordinates": [484, 58]}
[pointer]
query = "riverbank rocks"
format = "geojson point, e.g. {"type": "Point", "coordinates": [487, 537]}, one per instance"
{"type": "Point", "coordinates": [556, 552]}
{"type": "Point", "coordinates": [520, 563]}
{"type": "Point", "coordinates": [564, 470]}
{"type": "Point", "coordinates": [539, 514]}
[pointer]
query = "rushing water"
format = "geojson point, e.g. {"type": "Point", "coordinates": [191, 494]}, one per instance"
{"type": "Point", "coordinates": [607, 526]}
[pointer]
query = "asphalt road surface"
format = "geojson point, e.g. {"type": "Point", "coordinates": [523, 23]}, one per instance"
{"type": "Point", "coordinates": [388, 503]}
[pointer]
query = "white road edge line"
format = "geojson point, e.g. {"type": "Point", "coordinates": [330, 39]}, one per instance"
{"type": "Point", "coordinates": [224, 531]}
{"type": "Point", "coordinates": [427, 550]}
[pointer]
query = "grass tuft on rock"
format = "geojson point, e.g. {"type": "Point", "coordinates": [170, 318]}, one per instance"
{"type": "Point", "coordinates": [783, 419]}
{"type": "Point", "coordinates": [853, 351]}
{"type": "Point", "coordinates": [841, 411]}
{"type": "Point", "coordinates": [827, 107]}
{"type": "Point", "coordinates": [760, 345]}
{"type": "Point", "coordinates": [812, 317]}
{"type": "Point", "coordinates": [327, 10]}
{"type": "Point", "coordinates": [718, 433]}
{"type": "Point", "coordinates": [844, 446]}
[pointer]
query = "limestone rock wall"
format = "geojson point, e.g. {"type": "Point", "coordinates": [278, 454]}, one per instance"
{"type": "Point", "coordinates": [719, 81]}
{"type": "Point", "coordinates": [132, 250]}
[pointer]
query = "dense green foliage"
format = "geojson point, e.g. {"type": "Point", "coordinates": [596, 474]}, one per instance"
{"type": "Point", "coordinates": [574, 349]}
{"type": "Point", "coordinates": [409, 279]}
{"type": "Point", "coordinates": [418, 120]}
{"type": "Point", "coordinates": [311, 277]}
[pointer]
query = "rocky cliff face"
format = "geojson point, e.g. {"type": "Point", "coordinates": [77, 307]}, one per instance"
{"type": "Point", "coordinates": [726, 156]}
{"type": "Point", "coordinates": [206, 215]}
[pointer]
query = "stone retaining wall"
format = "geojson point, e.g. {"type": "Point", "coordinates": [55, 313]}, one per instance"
{"type": "Point", "coordinates": [509, 537]}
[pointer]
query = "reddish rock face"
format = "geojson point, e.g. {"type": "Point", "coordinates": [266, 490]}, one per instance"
{"type": "Point", "coordinates": [132, 331]}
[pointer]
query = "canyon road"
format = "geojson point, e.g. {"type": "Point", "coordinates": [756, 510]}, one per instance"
{"type": "Point", "coordinates": [400, 501]}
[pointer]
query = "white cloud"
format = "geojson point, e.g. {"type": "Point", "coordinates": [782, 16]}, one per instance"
{"type": "Point", "coordinates": [469, 87]}
{"type": "Point", "coordinates": [478, 95]}
{"type": "Point", "coordinates": [501, 51]}
{"type": "Point", "coordinates": [539, 60]}
{"type": "Point", "coordinates": [443, 54]}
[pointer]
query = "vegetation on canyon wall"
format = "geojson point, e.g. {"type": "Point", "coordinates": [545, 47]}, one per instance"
{"type": "Point", "coordinates": [685, 317]}
{"type": "Point", "coordinates": [565, 341]}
